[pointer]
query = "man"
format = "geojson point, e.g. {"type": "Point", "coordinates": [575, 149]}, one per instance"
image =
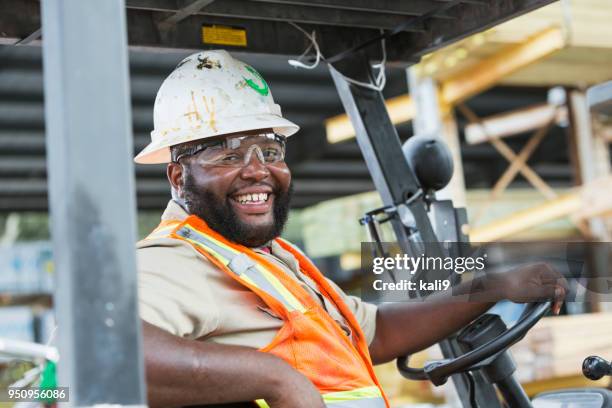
{"type": "Point", "coordinates": [231, 312]}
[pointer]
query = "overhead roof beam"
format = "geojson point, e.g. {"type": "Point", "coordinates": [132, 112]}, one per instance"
{"type": "Point", "coordinates": [32, 37]}
{"type": "Point", "coordinates": [469, 19]}
{"type": "Point", "coordinates": [278, 37]}
{"type": "Point", "coordinates": [183, 13]}
{"type": "Point", "coordinates": [305, 14]}
{"type": "Point", "coordinates": [409, 8]}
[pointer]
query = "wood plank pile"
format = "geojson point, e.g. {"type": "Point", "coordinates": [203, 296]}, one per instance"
{"type": "Point", "coordinates": [556, 346]}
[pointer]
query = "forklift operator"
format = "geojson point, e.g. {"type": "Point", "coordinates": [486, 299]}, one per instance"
{"type": "Point", "coordinates": [233, 313]}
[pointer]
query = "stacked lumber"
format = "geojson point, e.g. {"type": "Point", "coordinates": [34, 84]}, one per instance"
{"type": "Point", "coordinates": [556, 346]}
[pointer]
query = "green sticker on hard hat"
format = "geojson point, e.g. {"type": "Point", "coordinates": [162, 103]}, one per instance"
{"type": "Point", "coordinates": [263, 89]}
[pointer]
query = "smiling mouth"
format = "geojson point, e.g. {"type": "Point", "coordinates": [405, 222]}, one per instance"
{"type": "Point", "coordinates": [252, 199]}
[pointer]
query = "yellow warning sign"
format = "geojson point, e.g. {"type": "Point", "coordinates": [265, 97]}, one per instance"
{"type": "Point", "coordinates": [224, 35]}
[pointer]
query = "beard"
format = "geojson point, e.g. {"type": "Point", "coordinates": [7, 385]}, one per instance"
{"type": "Point", "coordinates": [219, 214]}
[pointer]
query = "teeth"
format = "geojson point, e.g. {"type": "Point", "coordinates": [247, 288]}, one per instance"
{"type": "Point", "coordinates": [252, 198]}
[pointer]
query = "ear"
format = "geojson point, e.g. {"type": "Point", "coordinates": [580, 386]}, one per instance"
{"type": "Point", "coordinates": [174, 172]}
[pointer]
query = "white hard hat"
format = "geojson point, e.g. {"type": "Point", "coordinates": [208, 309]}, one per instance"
{"type": "Point", "coordinates": [210, 94]}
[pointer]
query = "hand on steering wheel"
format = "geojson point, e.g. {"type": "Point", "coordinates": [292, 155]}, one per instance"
{"type": "Point", "coordinates": [532, 283]}
{"type": "Point", "coordinates": [438, 371]}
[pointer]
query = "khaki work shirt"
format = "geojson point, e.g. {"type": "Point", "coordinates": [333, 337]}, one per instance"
{"type": "Point", "coordinates": [182, 292]}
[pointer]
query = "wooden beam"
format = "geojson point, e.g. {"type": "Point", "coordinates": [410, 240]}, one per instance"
{"type": "Point", "coordinates": [509, 154]}
{"type": "Point", "coordinates": [514, 122]}
{"type": "Point", "coordinates": [577, 204]}
{"type": "Point", "coordinates": [339, 128]}
{"type": "Point", "coordinates": [603, 131]}
{"type": "Point", "coordinates": [597, 198]}
{"type": "Point", "coordinates": [465, 83]}
{"type": "Point", "coordinates": [519, 164]}
{"type": "Point", "coordinates": [592, 154]}
{"type": "Point", "coordinates": [456, 185]}
{"type": "Point", "coordinates": [489, 71]}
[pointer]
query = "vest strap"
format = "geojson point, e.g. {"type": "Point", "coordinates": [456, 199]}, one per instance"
{"type": "Point", "coordinates": [243, 266]}
{"type": "Point", "coordinates": [241, 263]}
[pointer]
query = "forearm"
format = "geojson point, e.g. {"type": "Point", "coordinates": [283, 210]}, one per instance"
{"type": "Point", "coordinates": [182, 372]}
{"type": "Point", "coordinates": [405, 328]}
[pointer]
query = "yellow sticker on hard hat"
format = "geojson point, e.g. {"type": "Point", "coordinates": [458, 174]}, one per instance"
{"type": "Point", "coordinates": [260, 89]}
{"type": "Point", "coordinates": [224, 35]}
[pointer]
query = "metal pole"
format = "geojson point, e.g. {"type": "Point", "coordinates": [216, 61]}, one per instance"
{"type": "Point", "coordinates": [92, 201]}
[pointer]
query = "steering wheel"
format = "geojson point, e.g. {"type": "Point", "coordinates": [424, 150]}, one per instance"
{"type": "Point", "coordinates": [439, 371]}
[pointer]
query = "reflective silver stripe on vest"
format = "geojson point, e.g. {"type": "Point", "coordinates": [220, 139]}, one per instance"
{"type": "Point", "coordinates": [239, 263]}
{"type": "Point", "coordinates": [359, 403]}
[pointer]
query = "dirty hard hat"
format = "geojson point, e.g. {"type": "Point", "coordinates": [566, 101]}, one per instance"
{"type": "Point", "coordinates": [210, 94]}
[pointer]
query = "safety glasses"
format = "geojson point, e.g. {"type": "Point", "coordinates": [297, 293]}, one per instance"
{"type": "Point", "coordinates": [236, 151]}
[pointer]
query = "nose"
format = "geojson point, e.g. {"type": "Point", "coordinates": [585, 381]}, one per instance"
{"type": "Point", "coordinates": [254, 169]}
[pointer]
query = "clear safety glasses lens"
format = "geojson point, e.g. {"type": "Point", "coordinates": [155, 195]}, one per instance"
{"type": "Point", "coordinates": [238, 151]}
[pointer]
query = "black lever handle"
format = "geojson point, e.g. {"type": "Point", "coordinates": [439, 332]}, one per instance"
{"type": "Point", "coordinates": [594, 368]}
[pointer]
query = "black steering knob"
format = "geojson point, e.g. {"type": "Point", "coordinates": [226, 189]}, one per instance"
{"type": "Point", "coordinates": [594, 368]}
{"type": "Point", "coordinates": [430, 159]}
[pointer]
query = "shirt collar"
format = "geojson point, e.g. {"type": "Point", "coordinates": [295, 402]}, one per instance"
{"type": "Point", "coordinates": [174, 211]}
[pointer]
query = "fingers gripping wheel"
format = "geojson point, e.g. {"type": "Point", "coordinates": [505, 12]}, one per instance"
{"type": "Point", "coordinates": [439, 371]}
{"type": "Point", "coordinates": [430, 160]}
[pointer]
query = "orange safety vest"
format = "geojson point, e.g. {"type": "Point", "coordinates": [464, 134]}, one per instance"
{"type": "Point", "coordinates": [309, 340]}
